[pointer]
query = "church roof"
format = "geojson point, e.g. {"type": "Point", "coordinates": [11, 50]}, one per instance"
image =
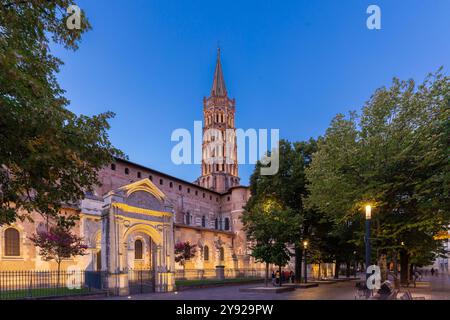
{"type": "Point", "coordinates": [218, 88]}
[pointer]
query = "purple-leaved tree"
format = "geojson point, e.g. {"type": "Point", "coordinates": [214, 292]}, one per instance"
{"type": "Point", "coordinates": [58, 243]}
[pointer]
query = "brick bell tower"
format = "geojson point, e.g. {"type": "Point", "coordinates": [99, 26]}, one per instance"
{"type": "Point", "coordinates": [219, 150]}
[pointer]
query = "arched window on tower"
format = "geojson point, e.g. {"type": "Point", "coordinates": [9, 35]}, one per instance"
{"type": "Point", "coordinates": [12, 242]}
{"type": "Point", "coordinates": [138, 249]}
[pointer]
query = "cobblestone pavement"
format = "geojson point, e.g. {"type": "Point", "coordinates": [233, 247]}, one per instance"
{"type": "Point", "coordinates": [435, 288]}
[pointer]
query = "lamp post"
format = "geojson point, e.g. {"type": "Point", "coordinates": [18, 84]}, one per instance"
{"type": "Point", "coordinates": [367, 238]}
{"type": "Point", "coordinates": [305, 246]}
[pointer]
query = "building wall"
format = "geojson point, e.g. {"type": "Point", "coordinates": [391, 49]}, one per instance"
{"type": "Point", "coordinates": [29, 258]}
{"type": "Point", "coordinates": [185, 197]}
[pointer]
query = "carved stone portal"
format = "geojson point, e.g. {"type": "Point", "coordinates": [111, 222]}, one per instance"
{"type": "Point", "coordinates": [131, 211]}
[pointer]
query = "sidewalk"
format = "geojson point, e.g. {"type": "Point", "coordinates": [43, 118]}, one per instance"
{"type": "Point", "coordinates": [431, 287]}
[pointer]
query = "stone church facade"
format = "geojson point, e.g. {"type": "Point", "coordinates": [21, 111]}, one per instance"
{"type": "Point", "coordinates": [136, 216]}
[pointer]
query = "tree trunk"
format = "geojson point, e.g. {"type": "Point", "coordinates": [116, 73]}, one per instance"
{"type": "Point", "coordinates": [319, 275]}
{"type": "Point", "coordinates": [337, 268]}
{"type": "Point", "coordinates": [298, 264]}
{"type": "Point", "coordinates": [266, 279]}
{"type": "Point", "coordinates": [396, 279]}
{"type": "Point", "coordinates": [382, 263]}
{"type": "Point", "coordinates": [279, 268]}
{"type": "Point", "coordinates": [58, 274]}
{"type": "Point", "coordinates": [404, 270]}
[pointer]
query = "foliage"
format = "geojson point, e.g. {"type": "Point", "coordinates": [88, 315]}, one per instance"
{"type": "Point", "coordinates": [58, 243]}
{"type": "Point", "coordinates": [268, 229]}
{"type": "Point", "coordinates": [275, 214]}
{"type": "Point", "coordinates": [48, 155]}
{"type": "Point", "coordinates": [393, 155]}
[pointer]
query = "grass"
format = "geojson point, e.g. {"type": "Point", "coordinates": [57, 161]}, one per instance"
{"type": "Point", "coordinates": [40, 293]}
{"type": "Point", "coordinates": [213, 281]}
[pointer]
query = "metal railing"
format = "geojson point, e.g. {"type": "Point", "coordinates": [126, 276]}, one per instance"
{"type": "Point", "coordinates": [141, 280]}
{"type": "Point", "coordinates": [40, 284]}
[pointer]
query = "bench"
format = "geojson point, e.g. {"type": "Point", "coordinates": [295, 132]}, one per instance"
{"type": "Point", "coordinates": [408, 296]}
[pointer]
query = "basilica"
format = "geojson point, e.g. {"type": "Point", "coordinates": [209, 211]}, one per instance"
{"type": "Point", "coordinates": [137, 215]}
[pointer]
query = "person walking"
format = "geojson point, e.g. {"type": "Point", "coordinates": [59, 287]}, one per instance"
{"type": "Point", "coordinates": [273, 278]}
{"type": "Point", "coordinates": [432, 271]}
{"type": "Point", "coordinates": [291, 276]}
{"type": "Point", "coordinates": [415, 276]}
{"type": "Point", "coordinates": [277, 278]}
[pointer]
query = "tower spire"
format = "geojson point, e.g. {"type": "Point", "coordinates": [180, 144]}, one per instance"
{"type": "Point", "coordinates": [219, 156]}
{"type": "Point", "coordinates": [218, 88]}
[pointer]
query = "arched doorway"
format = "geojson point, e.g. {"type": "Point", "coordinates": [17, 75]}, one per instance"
{"type": "Point", "coordinates": [141, 263]}
{"type": "Point", "coordinates": [138, 211]}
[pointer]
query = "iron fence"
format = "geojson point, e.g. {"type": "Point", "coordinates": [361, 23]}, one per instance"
{"type": "Point", "coordinates": [40, 284]}
{"type": "Point", "coordinates": [141, 280]}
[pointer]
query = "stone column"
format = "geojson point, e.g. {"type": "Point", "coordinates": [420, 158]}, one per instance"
{"type": "Point", "coordinates": [117, 280]}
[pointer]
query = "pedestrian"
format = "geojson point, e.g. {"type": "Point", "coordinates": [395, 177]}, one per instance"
{"type": "Point", "coordinates": [273, 277]}
{"type": "Point", "coordinates": [419, 275]}
{"type": "Point", "coordinates": [277, 277]}
{"type": "Point", "coordinates": [415, 276]}
{"type": "Point", "coordinates": [432, 271]}
{"type": "Point", "coordinates": [283, 277]}
{"type": "Point", "coordinates": [291, 276]}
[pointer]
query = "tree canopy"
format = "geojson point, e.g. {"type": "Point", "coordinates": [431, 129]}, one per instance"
{"type": "Point", "coordinates": [48, 154]}
{"type": "Point", "coordinates": [394, 155]}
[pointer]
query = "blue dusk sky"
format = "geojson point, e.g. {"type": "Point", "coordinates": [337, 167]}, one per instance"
{"type": "Point", "coordinates": [291, 65]}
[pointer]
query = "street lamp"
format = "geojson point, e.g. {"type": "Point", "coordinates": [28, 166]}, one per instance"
{"type": "Point", "coordinates": [305, 246]}
{"type": "Point", "coordinates": [367, 239]}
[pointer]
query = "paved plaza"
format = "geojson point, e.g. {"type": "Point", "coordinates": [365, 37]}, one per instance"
{"type": "Point", "coordinates": [436, 288]}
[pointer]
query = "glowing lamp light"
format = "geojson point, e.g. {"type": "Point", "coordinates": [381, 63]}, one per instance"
{"type": "Point", "coordinates": [368, 212]}
{"type": "Point", "coordinates": [305, 244]}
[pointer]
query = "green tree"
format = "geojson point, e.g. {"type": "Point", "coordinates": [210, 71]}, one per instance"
{"type": "Point", "coordinates": [287, 188]}
{"type": "Point", "coordinates": [48, 155]}
{"type": "Point", "coordinates": [268, 227]}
